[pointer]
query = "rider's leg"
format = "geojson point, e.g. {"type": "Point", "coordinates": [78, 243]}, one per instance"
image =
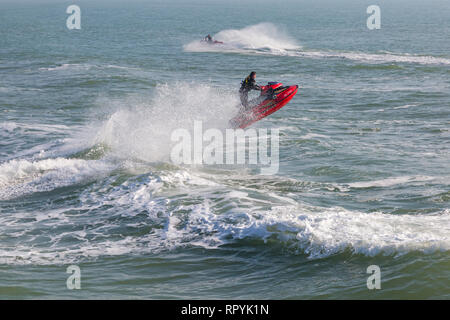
{"type": "Point", "coordinates": [244, 98]}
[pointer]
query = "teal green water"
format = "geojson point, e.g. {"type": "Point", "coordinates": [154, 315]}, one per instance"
{"type": "Point", "coordinates": [86, 118]}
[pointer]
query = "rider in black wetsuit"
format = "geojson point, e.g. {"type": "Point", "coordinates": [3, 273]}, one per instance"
{"type": "Point", "coordinates": [248, 84]}
{"type": "Point", "coordinates": [208, 39]}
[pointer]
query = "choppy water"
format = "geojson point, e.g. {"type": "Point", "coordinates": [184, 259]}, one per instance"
{"type": "Point", "coordinates": [86, 178]}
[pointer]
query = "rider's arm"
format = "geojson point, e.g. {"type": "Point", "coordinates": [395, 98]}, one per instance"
{"type": "Point", "coordinates": [254, 86]}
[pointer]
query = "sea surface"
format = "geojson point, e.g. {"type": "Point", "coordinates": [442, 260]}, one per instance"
{"type": "Point", "coordinates": [86, 176]}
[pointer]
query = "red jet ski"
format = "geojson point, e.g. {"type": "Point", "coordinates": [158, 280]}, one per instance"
{"type": "Point", "coordinates": [212, 42]}
{"type": "Point", "coordinates": [273, 97]}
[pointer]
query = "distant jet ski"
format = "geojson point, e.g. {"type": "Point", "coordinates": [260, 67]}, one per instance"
{"type": "Point", "coordinates": [273, 97]}
{"type": "Point", "coordinates": [209, 40]}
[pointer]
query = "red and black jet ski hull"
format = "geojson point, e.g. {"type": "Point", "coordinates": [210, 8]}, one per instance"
{"type": "Point", "coordinates": [278, 98]}
{"type": "Point", "coordinates": [211, 42]}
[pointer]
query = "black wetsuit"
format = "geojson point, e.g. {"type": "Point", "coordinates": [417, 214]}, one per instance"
{"type": "Point", "coordinates": [248, 84]}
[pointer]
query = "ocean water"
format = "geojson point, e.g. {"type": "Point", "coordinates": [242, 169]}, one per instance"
{"type": "Point", "coordinates": [86, 118]}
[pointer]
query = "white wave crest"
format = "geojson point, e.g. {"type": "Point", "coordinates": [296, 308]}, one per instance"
{"type": "Point", "coordinates": [20, 177]}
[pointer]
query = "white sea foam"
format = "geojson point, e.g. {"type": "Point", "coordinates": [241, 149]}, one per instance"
{"type": "Point", "coordinates": [69, 66]}
{"type": "Point", "coordinates": [314, 135]}
{"type": "Point", "coordinates": [83, 67]}
{"type": "Point", "coordinates": [144, 130]}
{"type": "Point", "coordinates": [406, 106]}
{"type": "Point", "coordinates": [198, 221]}
{"type": "Point", "coordinates": [374, 57]}
{"type": "Point", "coordinates": [8, 126]}
{"type": "Point", "coordinates": [322, 232]}
{"type": "Point", "coordinates": [20, 177]}
{"type": "Point", "coordinates": [391, 181]}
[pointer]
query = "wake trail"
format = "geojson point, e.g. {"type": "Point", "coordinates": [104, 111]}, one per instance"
{"type": "Point", "coordinates": [269, 39]}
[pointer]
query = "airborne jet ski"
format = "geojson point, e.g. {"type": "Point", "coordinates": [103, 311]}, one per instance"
{"type": "Point", "coordinates": [273, 97]}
